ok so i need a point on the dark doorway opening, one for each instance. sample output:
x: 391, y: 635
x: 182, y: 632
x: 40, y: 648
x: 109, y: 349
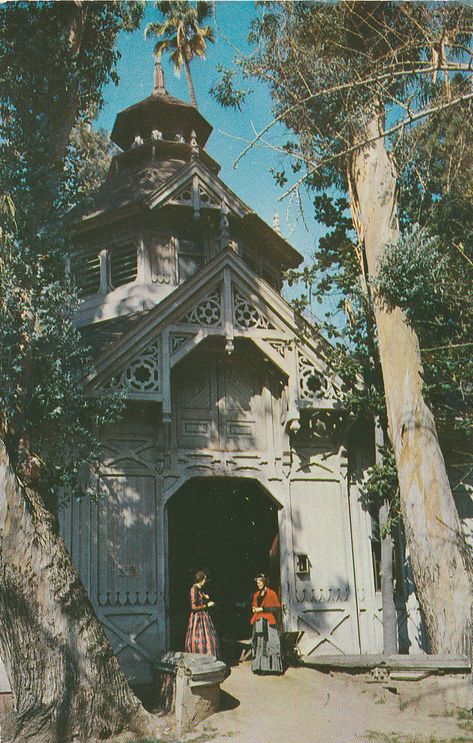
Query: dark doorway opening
x: 229, y: 528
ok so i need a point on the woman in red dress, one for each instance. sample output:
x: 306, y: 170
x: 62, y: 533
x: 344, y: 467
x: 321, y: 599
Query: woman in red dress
x: 201, y: 636
x: 266, y: 643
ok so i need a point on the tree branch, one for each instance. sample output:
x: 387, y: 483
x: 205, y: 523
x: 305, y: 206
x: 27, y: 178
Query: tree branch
x: 444, y: 348
x: 386, y: 133
x: 350, y: 85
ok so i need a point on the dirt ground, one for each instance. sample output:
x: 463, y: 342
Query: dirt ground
x: 307, y: 706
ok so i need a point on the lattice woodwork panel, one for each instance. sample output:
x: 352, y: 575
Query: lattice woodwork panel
x: 195, y: 389
x: 184, y: 196
x: 207, y: 311
x: 280, y: 347
x: 142, y: 374
x: 246, y: 315
x: 177, y: 340
x: 312, y: 383
x: 207, y: 198
x: 241, y: 386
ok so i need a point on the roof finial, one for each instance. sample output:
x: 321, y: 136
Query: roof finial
x: 159, y: 88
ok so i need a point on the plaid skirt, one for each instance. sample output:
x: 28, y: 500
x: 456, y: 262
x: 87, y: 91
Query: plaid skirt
x: 201, y: 636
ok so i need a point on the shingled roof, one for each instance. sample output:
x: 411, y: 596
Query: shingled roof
x: 128, y: 187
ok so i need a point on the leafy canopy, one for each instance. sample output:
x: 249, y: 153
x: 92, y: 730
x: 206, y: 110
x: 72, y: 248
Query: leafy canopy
x: 183, y: 34
x: 329, y: 69
x: 54, y: 61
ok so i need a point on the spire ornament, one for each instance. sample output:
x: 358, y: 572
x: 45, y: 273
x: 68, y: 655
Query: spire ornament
x: 159, y: 87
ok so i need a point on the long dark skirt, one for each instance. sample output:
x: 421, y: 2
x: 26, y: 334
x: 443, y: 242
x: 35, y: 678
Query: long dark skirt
x: 266, y: 648
x: 201, y: 636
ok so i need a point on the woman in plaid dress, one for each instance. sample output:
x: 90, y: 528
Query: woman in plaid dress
x: 201, y: 636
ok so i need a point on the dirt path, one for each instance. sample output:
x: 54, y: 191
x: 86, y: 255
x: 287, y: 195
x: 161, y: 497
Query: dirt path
x: 306, y: 706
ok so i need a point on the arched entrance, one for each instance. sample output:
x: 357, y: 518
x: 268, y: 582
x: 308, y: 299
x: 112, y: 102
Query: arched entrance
x: 229, y: 528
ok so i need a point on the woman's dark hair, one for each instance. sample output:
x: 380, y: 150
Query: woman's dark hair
x: 200, y: 575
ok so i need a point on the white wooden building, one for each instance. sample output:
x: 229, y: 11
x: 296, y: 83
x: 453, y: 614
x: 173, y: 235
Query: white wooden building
x: 234, y: 452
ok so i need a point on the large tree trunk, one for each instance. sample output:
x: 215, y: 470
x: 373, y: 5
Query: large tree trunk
x: 67, y: 684
x: 440, y: 561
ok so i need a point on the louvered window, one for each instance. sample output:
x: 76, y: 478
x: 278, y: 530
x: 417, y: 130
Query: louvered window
x: 123, y: 265
x: 86, y: 273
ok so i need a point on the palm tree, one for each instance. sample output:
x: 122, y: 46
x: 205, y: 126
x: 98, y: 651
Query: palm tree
x: 183, y: 34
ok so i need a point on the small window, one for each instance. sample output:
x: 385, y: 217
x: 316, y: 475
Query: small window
x: 302, y: 564
x: 123, y: 265
x: 85, y: 269
x: 191, y: 257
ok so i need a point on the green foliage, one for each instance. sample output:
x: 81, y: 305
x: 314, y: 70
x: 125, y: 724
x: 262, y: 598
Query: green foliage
x: 182, y: 32
x: 432, y: 284
x: 382, y: 486
x: 87, y: 164
x: 54, y: 60
x: 225, y: 92
x: 413, y: 274
x: 328, y: 68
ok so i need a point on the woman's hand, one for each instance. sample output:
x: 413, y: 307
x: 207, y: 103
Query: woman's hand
x: 210, y: 603
x: 257, y: 609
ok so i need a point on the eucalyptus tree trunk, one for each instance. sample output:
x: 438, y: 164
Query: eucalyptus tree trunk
x: 67, y: 685
x: 441, y: 563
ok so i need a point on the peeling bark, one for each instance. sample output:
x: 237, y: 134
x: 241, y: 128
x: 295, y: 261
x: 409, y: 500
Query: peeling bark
x: 441, y: 564
x: 67, y: 685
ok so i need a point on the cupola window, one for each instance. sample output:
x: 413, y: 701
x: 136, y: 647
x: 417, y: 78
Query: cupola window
x: 123, y: 265
x: 85, y: 268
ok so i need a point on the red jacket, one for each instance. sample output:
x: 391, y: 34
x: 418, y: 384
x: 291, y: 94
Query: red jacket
x: 270, y: 601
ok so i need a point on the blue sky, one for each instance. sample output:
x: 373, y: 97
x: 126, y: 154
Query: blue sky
x: 251, y: 180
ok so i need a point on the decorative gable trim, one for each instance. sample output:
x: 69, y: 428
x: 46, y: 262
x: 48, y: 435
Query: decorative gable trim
x: 140, y: 377
x: 195, y: 186
x: 224, y: 298
x: 206, y: 311
x: 246, y: 314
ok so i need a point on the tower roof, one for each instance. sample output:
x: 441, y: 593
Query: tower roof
x: 163, y: 112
